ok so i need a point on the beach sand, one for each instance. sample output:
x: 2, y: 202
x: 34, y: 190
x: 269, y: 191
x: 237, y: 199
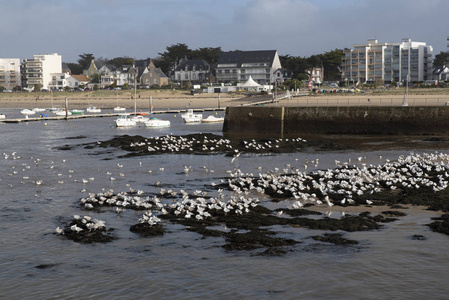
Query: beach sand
x: 181, y: 99
x: 160, y: 99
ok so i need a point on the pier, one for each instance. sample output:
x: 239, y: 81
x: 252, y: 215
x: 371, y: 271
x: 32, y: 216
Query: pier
x: 101, y: 115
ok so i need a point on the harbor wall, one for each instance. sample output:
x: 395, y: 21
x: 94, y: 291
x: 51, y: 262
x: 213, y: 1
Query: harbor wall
x: 402, y: 120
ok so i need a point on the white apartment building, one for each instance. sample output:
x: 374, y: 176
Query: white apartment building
x: 240, y: 65
x: 389, y: 62
x: 10, y: 73
x: 39, y: 70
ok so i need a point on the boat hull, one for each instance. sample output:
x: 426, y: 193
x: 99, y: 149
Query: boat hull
x: 157, y: 123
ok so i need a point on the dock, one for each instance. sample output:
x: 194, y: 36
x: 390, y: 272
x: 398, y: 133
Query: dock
x: 102, y: 115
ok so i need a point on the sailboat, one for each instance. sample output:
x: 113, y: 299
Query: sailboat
x: 118, y: 108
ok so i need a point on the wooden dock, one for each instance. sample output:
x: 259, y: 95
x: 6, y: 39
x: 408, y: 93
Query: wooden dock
x: 101, y: 115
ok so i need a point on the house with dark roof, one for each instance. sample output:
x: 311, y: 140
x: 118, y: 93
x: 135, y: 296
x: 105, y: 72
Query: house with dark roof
x: 282, y: 74
x: 91, y: 69
x: 238, y: 66
x: 152, y: 76
x: 126, y: 74
x: 192, y: 71
x: 440, y: 73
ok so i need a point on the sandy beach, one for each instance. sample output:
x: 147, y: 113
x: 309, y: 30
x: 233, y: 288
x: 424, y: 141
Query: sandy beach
x: 160, y: 99
x: 178, y: 99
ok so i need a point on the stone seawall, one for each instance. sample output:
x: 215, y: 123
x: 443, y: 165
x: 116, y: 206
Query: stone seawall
x: 402, y: 120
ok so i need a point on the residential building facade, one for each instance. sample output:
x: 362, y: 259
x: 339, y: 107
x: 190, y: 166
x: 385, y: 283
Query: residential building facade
x: 192, y: 71
x: 59, y: 81
x: 91, y: 69
x: 282, y: 74
x: 10, y: 73
x: 39, y: 70
x: 316, y: 75
x: 238, y: 66
x: 388, y: 62
x: 152, y: 76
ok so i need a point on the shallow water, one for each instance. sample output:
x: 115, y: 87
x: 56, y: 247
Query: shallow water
x: 181, y: 264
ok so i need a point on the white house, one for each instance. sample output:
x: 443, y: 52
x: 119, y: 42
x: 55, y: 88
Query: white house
x: 59, y: 81
x: 75, y: 81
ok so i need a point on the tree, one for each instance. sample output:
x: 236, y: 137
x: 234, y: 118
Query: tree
x: 173, y: 54
x: 120, y: 61
x: 210, y: 55
x: 75, y: 69
x: 331, y: 63
x: 85, y: 59
x: 441, y: 59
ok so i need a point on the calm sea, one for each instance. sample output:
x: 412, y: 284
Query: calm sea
x: 37, y: 264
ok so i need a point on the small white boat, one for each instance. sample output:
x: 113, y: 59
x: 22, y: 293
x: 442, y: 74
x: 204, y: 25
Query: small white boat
x: 2, y: 116
x: 155, y: 122
x: 93, y: 109
x: 38, y: 109
x: 212, y: 119
x: 118, y: 108
x: 139, y: 119
x: 62, y: 112
x: 27, y: 112
x: 191, y: 117
x: 125, y: 120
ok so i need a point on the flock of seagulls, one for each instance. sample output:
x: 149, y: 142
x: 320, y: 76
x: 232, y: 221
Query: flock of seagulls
x: 198, y: 205
x: 82, y: 225
x: 205, y: 143
x: 328, y: 187
x: 346, y: 181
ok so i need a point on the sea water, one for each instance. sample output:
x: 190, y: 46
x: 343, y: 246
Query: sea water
x: 38, y: 264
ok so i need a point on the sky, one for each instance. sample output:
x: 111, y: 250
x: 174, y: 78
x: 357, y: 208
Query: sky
x: 141, y: 29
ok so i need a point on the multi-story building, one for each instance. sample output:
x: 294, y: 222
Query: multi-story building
x: 238, y: 66
x: 192, y: 71
x: 388, y: 62
x: 10, y: 73
x: 39, y: 70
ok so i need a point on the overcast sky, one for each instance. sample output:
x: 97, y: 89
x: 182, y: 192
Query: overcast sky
x: 142, y: 28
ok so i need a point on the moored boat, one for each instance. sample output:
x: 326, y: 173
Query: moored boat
x: 139, y: 119
x: 2, y: 116
x: 118, y: 108
x: 36, y: 109
x: 62, y: 112
x: 27, y: 112
x: 191, y: 117
x: 212, y: 119
x: 77, y: 111
x: 93, y: 109
x: 155, y: 122
x: 125, y: 120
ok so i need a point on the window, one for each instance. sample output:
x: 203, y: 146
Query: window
x: 219, y: 72
x: 226, y: 71
x: 234, y: 71
x: 242, y: 71
x: 186, y: 76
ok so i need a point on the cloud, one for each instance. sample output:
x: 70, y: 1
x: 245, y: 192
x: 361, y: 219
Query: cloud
x: 142, y: 28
